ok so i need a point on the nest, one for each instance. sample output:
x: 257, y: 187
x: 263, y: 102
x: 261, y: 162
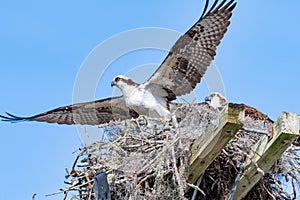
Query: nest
x: 149, y: 159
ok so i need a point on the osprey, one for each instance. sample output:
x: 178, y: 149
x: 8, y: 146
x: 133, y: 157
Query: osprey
x: 218, y: 101
x: 179, y: 73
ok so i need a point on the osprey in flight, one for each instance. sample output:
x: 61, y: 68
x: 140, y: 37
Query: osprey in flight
x: 179, y: 73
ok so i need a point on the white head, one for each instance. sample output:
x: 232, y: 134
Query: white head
x: 124, y: 83
x: 216, y: 100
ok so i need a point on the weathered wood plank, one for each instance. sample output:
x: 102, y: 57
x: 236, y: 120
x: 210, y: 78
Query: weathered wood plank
x: 285, y: 131
x: 209, y: 146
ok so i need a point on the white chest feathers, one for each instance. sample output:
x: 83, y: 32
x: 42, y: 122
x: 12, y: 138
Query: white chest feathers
x: 144, y: 102
x: 216, y: 100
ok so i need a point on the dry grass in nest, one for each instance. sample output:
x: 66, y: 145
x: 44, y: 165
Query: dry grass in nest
x: 149, y: 159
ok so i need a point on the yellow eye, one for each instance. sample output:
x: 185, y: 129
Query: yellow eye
x: 117, y: 79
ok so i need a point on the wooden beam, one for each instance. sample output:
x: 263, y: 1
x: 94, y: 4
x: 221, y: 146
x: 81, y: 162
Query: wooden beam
x: 208, y: 146
x: 285, y: 132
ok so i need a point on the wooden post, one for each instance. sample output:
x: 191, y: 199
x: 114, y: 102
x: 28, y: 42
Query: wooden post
x: 206, y: 148
x: 285, y: 132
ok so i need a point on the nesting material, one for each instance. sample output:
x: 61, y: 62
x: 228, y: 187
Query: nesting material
x: 149, y: 159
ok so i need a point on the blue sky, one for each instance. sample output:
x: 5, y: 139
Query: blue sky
x: 43, y: 45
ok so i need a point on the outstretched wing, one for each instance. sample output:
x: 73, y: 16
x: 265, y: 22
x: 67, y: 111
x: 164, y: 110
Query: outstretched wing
x: 91, y: 113
x: 190, y: 56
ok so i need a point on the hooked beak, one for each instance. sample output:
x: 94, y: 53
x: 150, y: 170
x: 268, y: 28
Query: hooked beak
x: 207, y: 99
x: 113, y: 83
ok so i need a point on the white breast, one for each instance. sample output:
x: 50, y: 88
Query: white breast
x: 145, y: 103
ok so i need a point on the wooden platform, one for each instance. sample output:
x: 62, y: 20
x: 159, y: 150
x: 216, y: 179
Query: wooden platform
x: 265, y: 153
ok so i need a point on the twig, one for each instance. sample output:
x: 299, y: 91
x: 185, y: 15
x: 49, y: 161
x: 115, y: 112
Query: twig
x: 269, y: 193
x: 70, y: 188
x: 255, y: 131
x: 179, y: 181
x: 147, y: 177
x: 197, y: 188
x: 294, y: 190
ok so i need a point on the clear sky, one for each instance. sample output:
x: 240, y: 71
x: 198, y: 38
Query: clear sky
x: 44, y: 43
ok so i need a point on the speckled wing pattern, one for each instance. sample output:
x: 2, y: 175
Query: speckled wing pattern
x: 90, y: 113
x: 179, y: 74
x: 256, y: 114
x: 193, y: 52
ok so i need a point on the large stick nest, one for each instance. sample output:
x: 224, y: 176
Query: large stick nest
x: 149, y: 159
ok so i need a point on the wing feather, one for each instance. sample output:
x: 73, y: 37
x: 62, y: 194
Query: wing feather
x: 90, y: 113
x: 256, y: 114
x: 191, y: 55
